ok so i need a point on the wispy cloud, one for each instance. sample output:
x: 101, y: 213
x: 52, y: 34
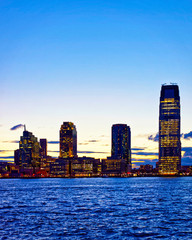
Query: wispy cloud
x: 146, y: 153
x: 89, y: 142
x: 53, y: 142
x: 154, y: 137
x: 16, y: 127
x: 4, y: 151
x: 138, y: 162
x: 103, y: 136
x: 93, y: 141
x: 88, y: 152
x: 7, y: 157
x: 137, y: 149
x: 53, y: 151
x: 84, y: 143
x: 188, y: 152
x: 14, y: 141
x: 187, y: 136
x: 93, y: 152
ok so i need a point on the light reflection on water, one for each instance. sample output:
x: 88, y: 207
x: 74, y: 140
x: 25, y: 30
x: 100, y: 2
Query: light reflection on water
x: 96, y: 208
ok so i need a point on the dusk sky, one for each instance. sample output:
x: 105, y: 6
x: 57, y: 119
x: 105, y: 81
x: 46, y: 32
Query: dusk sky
x: 94, y: 63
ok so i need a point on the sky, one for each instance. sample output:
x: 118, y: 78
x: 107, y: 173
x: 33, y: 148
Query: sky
x: 94, y: 63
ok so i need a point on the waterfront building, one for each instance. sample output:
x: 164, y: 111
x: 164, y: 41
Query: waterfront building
x: 68, y: 140
x: 43, y: 144
x: 60, y: 168
x: 148, y: 168
x: 121, y: 143
x: 113, y: 167
x: 28, y: 154
x: 169, y: 131
x: 85, y: 167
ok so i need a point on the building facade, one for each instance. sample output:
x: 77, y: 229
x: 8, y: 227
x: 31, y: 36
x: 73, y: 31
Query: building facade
x: 43, y: 144
x: 121, y: 142
x: 28, y: 154
x: 114, y: 167
x: 68, y: 140
x: 169, y: 131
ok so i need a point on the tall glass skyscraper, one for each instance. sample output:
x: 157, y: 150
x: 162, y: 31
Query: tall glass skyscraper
x: 169, y: 130
x: 68, y: 140
x: 121, y: 142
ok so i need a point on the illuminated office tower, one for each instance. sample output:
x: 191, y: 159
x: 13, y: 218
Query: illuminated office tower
x: 29, y: 150
x: 169, y: 130
x: 121, y: 142
x: 68, y: 140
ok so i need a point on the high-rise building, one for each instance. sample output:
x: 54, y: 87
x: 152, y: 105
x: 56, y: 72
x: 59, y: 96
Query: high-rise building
x: 169, y: 130
x: 68, y: 140
x: 43, y: 144
x: 17, y: 157
x: 28, y: 154
x: 121, y: 142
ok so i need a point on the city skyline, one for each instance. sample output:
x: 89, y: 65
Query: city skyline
x: 95, y: 64
x: 136, y: 162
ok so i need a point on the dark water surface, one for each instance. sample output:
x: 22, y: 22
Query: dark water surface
x: 96, y: 208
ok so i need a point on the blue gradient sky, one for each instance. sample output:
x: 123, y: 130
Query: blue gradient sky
x: 94, y: 63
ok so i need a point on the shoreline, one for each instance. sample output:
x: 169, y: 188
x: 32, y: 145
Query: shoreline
x: 160, y: 176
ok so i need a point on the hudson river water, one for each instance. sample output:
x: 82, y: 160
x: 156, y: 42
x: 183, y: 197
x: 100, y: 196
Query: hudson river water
x: 96, y: 208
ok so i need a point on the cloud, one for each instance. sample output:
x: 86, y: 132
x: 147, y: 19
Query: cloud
x: 16, y: 127
x: 4, y: 151
x: 85, y: 143
x: 186, y: 159
x: 53, y: 142
x: 142, y: 135
x: 187, y: 136
x: 188, y: 152
x: 15, y: 141
x: 89, y: 141
x: 7, y: 157
x: 154, y: 137
x: 82, y: 152
x: 138, y: 162
x: 137, y: 149
x: 146, y: 153
x: 92, y: 152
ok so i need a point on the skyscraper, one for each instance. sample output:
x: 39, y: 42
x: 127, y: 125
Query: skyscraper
x: 169, y: 130
x: 28, y: 154
x: 68, y: 140
x: 43, y: 144
x: 121, y: 142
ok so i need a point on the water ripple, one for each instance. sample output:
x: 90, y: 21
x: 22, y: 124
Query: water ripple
x: 113, y: 208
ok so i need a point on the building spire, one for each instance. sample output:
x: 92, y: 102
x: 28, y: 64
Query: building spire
x: 24, y: 127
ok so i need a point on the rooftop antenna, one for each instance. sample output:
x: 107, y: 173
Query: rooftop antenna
x: 24, y: 128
